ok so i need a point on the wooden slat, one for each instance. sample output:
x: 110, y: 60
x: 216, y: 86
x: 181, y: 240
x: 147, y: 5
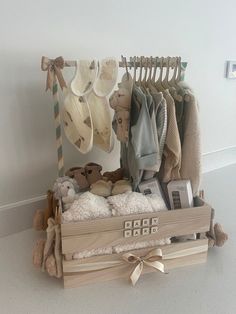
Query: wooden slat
x: 78, y: 279
x: 171, y: 223
x: 166, y: 249
x: 117, y: 223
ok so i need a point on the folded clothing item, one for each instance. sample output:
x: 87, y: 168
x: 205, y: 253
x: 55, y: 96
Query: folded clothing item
x: 121, y: 248
x: 93, y: 252
x: 140, y: 245
x: 87, y: 206
x: 135, y: 203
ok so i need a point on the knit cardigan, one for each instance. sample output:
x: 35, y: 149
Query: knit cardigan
x: 191, y: 148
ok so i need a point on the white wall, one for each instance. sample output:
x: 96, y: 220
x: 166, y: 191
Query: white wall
x: 202, y: 32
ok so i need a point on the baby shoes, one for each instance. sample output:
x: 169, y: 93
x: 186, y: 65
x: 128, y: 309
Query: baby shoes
x: 101, y: 188
x: 121, y: 186
x: 85, y: 176
x: 106, y: 188
x: 93, y: 172
x: 79, y: 174
x: 114, y: 176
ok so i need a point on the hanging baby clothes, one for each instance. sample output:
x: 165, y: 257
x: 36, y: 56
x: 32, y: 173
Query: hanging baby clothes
x: 191, y: 148
x: 180, y: 111
x: 141, y: 150
x: 171, y: 162
x: 160, y: 127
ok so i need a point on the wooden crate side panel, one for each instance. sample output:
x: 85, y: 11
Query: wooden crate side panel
x: 70, y: 265
x: 172, y: 224
x: 117, y: 223
x: 76, y: 280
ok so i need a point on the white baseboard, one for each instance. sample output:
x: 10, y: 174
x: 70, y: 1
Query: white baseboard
x: 16, y: 217
x: 218, y: 159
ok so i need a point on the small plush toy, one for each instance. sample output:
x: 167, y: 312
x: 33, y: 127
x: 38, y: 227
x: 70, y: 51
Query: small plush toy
x: 66, y: 188
x: 216, y: 235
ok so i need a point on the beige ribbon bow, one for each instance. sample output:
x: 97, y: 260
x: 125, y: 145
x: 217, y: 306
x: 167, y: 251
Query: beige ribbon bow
x: 53, y: 67
x: 150, y: 260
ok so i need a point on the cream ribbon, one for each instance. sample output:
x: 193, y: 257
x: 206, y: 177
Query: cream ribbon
x: 152, y: 259
x: 148, y: 260
x: 53, y: 68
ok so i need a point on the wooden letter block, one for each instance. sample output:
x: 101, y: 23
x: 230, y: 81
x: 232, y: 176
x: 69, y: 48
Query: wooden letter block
x: 155, y: 221
x: 127, y: 233
x: 146, y: 222
x: 136, y: 232
x: 128, y: 224
x: 137, y: 223
x: 154, y: 230
x: 145, y: 231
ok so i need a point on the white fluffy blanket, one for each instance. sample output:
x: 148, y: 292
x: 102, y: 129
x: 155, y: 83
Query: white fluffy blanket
x: 87, y: 206
x: 135, y: 203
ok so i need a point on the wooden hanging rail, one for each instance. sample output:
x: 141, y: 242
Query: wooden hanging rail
x: 138, y: 61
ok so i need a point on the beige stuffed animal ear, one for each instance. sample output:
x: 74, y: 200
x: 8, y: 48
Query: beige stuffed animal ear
x: 220, y: 236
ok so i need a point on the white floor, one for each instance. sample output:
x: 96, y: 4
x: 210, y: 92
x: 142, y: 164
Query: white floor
x: 208, y: 288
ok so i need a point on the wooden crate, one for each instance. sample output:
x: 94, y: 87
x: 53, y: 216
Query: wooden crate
x: 108, y: 232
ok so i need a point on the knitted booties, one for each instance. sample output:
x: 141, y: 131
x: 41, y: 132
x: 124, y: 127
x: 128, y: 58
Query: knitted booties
x: 38, y: 252
x: 38, y: 220
x: 101, y: 188
x: 93, y: 172
x: 114, y: 176
x: 79, y: 174
x: 121, y: 186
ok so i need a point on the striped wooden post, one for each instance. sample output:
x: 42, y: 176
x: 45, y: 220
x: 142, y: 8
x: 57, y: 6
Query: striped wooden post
x: 60, y: 158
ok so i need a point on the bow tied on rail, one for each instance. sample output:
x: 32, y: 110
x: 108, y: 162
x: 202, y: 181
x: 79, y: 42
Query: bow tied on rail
x: 53, y: 68
x: 149, y: 260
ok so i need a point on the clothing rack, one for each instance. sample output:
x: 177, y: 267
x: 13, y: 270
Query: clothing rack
x: 136, y: 61
x: 54, y: 76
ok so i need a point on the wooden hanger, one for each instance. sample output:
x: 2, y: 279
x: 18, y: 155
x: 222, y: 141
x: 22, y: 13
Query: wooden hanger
x: 158, y: 83
x: 150, y: 69
x: 126, y: 66
x: 164, y: 83
x: 140, y: 71
x: 173, y: 82
x: 144, y: 80
x: 155, y: 70
x: 135, y: 67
